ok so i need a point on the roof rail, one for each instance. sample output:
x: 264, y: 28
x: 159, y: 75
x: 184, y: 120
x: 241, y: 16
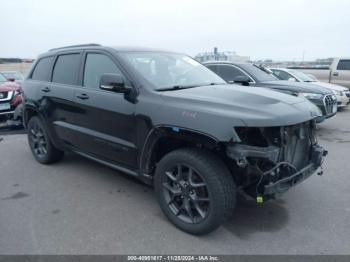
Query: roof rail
x: 72, y: 46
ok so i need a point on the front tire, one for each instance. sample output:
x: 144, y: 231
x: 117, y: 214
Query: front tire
x: 195, y: 190
x: 40, y: 144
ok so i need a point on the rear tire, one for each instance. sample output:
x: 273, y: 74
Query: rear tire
x: 195, y: 190
x: 40, y: 144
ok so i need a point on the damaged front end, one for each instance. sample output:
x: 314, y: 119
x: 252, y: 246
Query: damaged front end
x: 273, y: 159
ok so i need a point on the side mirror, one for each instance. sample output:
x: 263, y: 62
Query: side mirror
x: 243, y: 80
x: 114, y: 83
x: 292, y: 79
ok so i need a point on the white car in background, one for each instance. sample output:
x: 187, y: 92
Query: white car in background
x: 342, y: 93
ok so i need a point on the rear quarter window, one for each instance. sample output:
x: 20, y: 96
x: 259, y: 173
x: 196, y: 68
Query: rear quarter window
x: 42, y: 69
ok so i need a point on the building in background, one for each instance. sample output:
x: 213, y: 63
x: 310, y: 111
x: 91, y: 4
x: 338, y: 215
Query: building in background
x: 221, y: 56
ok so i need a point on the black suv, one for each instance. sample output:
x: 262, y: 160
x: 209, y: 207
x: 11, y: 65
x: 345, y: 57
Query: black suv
x: 171, y: 122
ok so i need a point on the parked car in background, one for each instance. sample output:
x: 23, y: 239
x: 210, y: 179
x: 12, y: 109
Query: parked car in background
x: 168, y: 120
x: 248, y: 74
x: 342, y: 93
x: 10, y: 99
x: 12, y: 76
x: 337, y: 73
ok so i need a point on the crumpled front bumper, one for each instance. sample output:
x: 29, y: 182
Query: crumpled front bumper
x: 269, y: 186
x: 282, y: 185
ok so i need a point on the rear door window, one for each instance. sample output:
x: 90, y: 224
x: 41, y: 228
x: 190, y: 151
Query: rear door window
x: 66, y: 69
x: 344, y: 65
x: 42, y: 69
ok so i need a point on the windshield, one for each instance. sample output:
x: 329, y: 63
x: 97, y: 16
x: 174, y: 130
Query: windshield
x: 257, y: 73
x: 166, y: 70
x: 14, y: 75
x: 2, y: 78
x: 302, y: 76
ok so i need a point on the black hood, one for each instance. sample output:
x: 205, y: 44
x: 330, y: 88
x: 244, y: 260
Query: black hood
x: 226, y: 106
x: 297, y: 87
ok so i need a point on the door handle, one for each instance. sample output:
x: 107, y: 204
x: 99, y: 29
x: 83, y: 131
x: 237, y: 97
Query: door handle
x: 83, y: 96
x: 335, y: 74
x: 45, y: 89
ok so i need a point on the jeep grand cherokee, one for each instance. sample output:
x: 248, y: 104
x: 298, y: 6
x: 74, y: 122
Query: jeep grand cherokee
x: 171, y: 122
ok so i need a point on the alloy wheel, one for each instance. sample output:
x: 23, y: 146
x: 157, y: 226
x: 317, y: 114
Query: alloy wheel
x: 38, y: 140
x: 186, y: 193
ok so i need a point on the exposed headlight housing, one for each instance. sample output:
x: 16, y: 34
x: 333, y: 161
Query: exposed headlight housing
x: 311, y: 95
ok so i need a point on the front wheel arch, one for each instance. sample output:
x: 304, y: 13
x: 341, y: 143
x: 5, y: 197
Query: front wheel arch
x: 163, y: 140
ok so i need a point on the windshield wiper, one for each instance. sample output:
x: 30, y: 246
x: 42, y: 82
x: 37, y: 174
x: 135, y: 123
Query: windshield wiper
x: 178, y: 87
x: 175, y: 87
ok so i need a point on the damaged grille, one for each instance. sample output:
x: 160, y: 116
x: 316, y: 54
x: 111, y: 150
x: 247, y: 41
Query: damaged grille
x: 272, y: 159
x: 265, y: 147
x: 297, y: 143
